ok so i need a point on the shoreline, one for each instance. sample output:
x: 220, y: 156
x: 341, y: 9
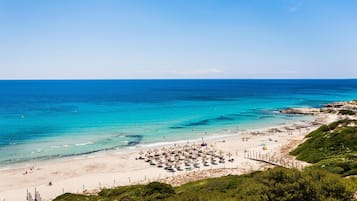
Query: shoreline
x: 233, y: 130
x: 88, y: 173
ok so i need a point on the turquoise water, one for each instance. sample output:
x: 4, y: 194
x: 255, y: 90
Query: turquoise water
x: 50, y: 119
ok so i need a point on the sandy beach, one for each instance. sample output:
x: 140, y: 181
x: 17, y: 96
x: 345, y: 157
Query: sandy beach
x: 89, y: 173
x: 202, y: 100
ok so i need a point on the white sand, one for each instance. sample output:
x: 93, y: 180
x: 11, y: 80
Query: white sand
x: 108, y: 169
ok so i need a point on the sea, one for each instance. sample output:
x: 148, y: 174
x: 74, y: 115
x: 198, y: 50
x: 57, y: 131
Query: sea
x: 47, y: 119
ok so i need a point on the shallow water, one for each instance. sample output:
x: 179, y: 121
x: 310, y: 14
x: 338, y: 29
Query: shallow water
x: 49, y: 119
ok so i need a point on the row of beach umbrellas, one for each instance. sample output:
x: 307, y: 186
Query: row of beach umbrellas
x: 184, y: 157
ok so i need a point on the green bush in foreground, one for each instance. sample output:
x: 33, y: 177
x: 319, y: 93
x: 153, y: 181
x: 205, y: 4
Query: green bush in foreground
x: 278, y: 184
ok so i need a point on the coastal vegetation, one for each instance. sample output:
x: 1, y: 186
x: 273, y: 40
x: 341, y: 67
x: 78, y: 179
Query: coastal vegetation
x: 346, y: 112
x: 332, y: 150
x: 332, y: 147
x: 274, y: 184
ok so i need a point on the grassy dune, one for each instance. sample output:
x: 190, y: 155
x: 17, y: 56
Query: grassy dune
x: 332, y: 147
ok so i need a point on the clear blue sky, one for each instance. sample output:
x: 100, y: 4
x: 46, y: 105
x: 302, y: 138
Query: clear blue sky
x: 178, y: 39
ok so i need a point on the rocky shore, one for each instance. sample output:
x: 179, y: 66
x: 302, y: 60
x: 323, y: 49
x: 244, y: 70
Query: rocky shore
x: 340, y: 108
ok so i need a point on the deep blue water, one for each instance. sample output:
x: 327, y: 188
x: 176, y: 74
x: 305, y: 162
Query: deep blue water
x: 47, y: 119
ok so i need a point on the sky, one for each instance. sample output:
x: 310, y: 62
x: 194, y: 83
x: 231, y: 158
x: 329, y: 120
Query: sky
x: 134, y: 39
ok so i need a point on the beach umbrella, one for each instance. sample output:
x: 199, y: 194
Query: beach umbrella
x: 149, y: 152
x: 160, y: 164
x: 229, y: 155
x: 196, y: 164
x: 188, y: 163
x: 141, y: 152
x: 179, y: 168
x: 206, y: 163
x: 152, y: 162
x: 213, y: 161
x: 156, y: 151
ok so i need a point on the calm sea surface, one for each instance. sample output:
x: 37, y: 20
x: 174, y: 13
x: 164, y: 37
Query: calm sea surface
x: 51, y: 119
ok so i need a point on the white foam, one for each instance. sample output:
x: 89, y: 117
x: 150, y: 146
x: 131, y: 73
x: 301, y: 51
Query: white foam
x: 84, y: 144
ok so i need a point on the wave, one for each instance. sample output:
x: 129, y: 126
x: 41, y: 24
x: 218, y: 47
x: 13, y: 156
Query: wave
x: 84, y: 144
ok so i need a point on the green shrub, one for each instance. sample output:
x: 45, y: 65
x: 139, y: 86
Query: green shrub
x: 346, y: 112
x: 332, y: 147
x: 278, y: 184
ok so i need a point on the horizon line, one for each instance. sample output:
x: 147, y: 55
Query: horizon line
x: 198, y: 78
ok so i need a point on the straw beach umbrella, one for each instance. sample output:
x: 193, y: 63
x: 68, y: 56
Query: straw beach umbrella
x: 229, y: 157
x: 141, y: 155
x: 156, y: 151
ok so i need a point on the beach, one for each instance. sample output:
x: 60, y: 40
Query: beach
x: 178, y: 100
x: 89, y: 173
